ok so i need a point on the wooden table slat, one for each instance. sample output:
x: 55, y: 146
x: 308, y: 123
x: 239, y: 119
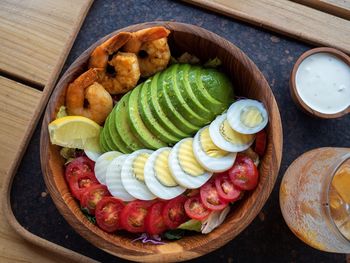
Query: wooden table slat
x: 287, y: 17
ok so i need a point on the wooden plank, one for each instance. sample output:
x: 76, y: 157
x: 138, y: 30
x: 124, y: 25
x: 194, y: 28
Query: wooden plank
x: 33, y: 34
x: 287, y: 17
x: 18, y: 104
x: 340, y: 8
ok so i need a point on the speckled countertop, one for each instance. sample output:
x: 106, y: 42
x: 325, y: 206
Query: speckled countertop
x: 267, y: 239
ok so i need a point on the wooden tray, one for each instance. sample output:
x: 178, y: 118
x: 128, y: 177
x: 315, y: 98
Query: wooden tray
x: 36, y: 37
x: 319, y: 23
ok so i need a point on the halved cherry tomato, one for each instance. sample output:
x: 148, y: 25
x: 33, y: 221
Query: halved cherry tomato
x: 80, y: 165
x: 210, y: 197
x: 260, y: 142
x: 244, y: 174
x: 195, y: 209
x: 174, y: 213
x: 108, y: 212
x: 226, y: 190
x: 154, y: 222
x: 132, y: 218
x: 92, y: 196
x: 80, y: 182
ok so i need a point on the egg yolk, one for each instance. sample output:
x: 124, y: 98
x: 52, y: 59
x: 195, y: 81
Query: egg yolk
x: 209, y: 147
x: 162, y: 171
x: 138, y: 166
x: 187, y: 160
x: 251, y: 117
x: 234, y: 137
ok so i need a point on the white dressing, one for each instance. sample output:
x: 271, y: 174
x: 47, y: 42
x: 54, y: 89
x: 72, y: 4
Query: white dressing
x: 323, y: 83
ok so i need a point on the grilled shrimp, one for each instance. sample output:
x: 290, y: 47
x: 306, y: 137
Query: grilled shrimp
x: 120, y: 71
x: 151, y: 47
x: 85, y: 97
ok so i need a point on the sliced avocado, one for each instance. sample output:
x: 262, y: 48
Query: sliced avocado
x: 106, y: 138
x: 148, y: 118
x: 137, y: 126
x: 217, y: 84
x: 172, y: 76
x: 114, y: 136
x: 159, y: 112
x: 122, y: 125
x: 201, y: 93
x: 165, y: 98
x: 188, y: 93
x: 103, y: 145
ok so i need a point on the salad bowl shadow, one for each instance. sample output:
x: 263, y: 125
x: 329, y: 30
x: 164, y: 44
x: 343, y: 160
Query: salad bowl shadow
x: 247, y: 80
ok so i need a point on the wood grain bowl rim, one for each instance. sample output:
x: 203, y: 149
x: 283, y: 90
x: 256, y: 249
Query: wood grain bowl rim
x: 293, y: 89
x: 177, y: 250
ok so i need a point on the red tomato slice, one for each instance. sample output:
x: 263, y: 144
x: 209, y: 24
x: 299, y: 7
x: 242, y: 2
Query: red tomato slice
x: 79, y: 183
x: 195, y: 209
x: 154, y: 222
x: 108, y: 212
x: 210, y: 197
x: 80, y: 165
x: 133, y: 216
x: 226, y: 190
x: 92, y: 196
x: 174, y: 213
x: 260, y: 142
x: 244, y: 174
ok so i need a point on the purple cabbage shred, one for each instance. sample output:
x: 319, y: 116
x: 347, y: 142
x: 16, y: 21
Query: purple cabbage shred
x: 155, y: 239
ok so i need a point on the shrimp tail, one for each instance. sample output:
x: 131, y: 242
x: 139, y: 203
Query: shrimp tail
x: 99, y: 57
x: 145, y: 35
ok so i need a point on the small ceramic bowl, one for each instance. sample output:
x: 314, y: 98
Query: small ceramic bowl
x: 293, y: 86
x: 248, y: 81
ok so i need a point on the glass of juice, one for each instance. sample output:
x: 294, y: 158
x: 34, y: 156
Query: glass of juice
x: 315, y: 199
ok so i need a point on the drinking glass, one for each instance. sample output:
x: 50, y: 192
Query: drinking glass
x: 315, y: 199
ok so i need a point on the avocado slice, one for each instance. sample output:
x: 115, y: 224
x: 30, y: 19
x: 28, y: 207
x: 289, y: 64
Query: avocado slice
x: 113, y: 135
x: 148, y: 118
x: 217, y: 84
x: 165, y: 84
x: 201, y: 93
x: 122, y: 125
x: 171, y: 77
x: 107, y: 141
x: 136, y: 124
x: 188, y: 93
x: 159, y: 112
x: 103, y: 144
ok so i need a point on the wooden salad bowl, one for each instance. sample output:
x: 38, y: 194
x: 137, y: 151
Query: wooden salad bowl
x: 248, y: 81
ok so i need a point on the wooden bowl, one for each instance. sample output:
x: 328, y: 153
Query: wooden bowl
x: 248, y: 81
x: 293, y: 88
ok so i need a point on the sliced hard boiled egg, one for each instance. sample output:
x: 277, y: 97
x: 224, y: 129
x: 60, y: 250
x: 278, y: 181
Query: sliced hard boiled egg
x: 133, y: 175
x: 211, y: 157
x: 224, y: 137
x: 247, y: 116
x: 102, y: 163
x: 158, y: 177
x: 184, y: 167
x: 114, y: 181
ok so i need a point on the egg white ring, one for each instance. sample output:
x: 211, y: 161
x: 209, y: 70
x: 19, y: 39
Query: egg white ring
x: 133, y: 186
x: 92, y: 155
x: 114, y: 181
x: 181, y: 177
x: 153, y: 184
x: 219, y: 140
x: 212, y: 164
x: 234, y: 116
x: 102, y: 163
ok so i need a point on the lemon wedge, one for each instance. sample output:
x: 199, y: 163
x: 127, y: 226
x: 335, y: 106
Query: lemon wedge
x: 75, y: 132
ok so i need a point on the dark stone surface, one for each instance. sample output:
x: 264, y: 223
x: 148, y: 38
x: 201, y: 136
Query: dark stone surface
x: 267, y: 239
